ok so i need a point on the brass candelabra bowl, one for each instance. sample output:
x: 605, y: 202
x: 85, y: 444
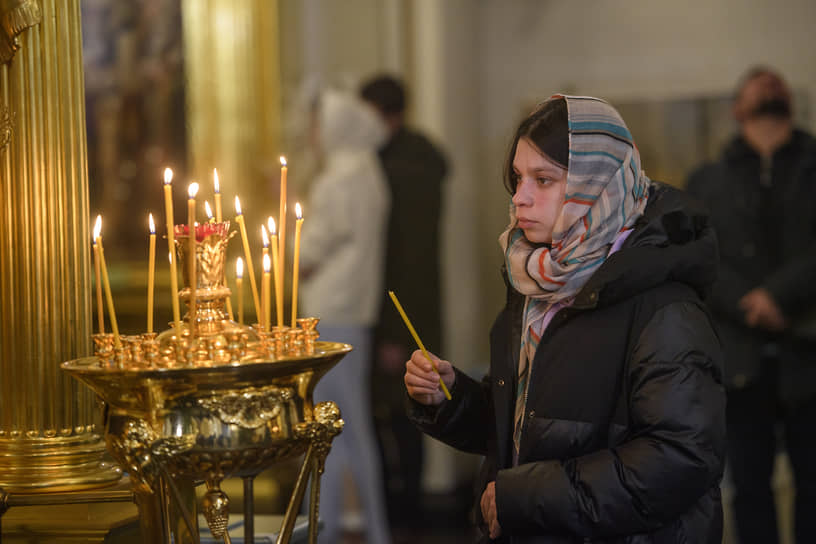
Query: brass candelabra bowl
x: 210, y: 400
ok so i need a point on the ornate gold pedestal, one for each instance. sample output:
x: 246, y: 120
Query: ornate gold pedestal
x: 171, y: 429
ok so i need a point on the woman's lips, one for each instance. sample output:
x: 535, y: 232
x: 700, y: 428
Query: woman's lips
x: 525, y: 223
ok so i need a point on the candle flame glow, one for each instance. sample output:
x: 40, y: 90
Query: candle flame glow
x: 237, y: 206
x: 215, y: 181
x: 168, y: 176
x: 283, y: 160
x: 97, y: 231
x: 272, y: 227
x: 239, y: 267
x: 170, y: 257
x: 298, y: 211
x: 192, y: 189
x: 267, y: 264
x: 208, y: 210
x: 152, y: 224
x: 264, y: 237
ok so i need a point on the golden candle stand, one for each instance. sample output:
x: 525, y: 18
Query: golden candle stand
x: 216, y: 400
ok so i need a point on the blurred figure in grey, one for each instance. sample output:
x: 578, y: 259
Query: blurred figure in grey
x: 342, y: 258
x: 762, y: 197
x: 415, y: 169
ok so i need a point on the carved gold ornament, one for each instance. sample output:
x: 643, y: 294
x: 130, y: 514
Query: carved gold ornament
x: 5, y: 126
x: 15, y: 17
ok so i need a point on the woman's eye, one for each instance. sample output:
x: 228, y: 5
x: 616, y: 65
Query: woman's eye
x: 544, y: 181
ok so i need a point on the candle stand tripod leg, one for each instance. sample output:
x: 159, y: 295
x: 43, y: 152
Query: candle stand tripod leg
x: 249, y: 510
x: 288, y: 525
x: 314, y: 500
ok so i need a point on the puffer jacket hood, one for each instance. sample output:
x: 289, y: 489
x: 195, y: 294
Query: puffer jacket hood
x: 347, y: 123
x: 671, y: 241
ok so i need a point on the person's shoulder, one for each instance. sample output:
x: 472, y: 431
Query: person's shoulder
x: 421, y: 142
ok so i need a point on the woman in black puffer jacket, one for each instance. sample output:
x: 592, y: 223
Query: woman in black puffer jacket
x: 603, y: 416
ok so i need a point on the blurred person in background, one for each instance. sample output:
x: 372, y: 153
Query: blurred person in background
x: 415, y: 169
x: 342, y: 259
x: 761, y: 194
x: 602, y: 418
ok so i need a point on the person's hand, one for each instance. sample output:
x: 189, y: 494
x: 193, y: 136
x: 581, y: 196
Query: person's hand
x: 422, y: 382
x: 489, y: 513
x: 761, y: 310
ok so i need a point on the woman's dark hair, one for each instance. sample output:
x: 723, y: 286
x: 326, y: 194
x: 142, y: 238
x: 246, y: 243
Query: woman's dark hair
x: 547, y: 127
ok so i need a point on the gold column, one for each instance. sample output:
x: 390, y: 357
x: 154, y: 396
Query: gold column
x: 48, y: 440
x: 232, y: 68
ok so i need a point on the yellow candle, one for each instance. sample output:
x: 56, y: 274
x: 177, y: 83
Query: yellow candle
x: 296, y: 263
x: 264, y: 241
x: 239, y: 283
x: 106, y: 284
x: 217, y: 187
x: 417, y: 340
x: 171, y: 245
x: 100, y: 312
x: 282, y: 226
x: 265, y: 289
x: 192, y: 191
x: 239, y: 217
x: 265, y: 297
x: 151, y: 274
x: 219, y: 219
x: 277, y: 271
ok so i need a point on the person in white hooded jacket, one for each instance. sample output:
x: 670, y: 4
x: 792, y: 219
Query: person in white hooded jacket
x: 342, y: 257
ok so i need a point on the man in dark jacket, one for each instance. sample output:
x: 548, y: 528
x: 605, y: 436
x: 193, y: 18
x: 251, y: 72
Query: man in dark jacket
x: 415, y: 169
x: 762, y: 198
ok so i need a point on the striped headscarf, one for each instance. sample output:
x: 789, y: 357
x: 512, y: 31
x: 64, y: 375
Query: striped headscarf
x: 606, y: 193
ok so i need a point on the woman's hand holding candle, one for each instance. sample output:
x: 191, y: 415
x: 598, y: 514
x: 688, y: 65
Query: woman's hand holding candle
x: 424, y: 373
x: 419, y: 343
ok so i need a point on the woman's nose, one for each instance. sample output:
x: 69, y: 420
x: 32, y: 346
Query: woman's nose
x: 522, y: 195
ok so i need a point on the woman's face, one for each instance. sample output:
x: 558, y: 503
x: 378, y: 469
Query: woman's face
x: 540, y: 188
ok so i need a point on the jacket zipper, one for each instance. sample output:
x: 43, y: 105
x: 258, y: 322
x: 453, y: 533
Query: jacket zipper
x: 524, y: 412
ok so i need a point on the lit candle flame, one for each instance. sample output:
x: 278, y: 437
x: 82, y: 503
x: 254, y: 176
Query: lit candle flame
x: 152, y: 224
x: 264, y: 237
x: 192, y: 189
x: 267, y: 263
x: 298, y: 211
x: 237, y: 206
x: 283, y: 160
x: 272, y: 227
x: 208, y: 210
x: 215, y: 181
x: 168, y: 176
x: 239, y: 267
x: 97, y: 231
